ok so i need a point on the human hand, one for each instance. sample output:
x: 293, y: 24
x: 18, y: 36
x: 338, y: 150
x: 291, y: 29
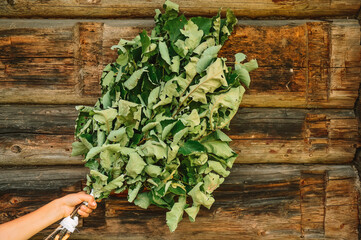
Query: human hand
x: 68, y: 203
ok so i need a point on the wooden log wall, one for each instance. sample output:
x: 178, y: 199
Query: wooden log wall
x: 296, y: 132
x: 145, y: 8
x: 303, y: 63
x: 255, y: 202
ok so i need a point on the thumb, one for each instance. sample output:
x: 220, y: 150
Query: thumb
x: 84, y: 197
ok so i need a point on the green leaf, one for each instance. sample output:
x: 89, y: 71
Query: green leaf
x: 92, y: 164
x: 107, y: 157
x: 208, y: 84
x: 231, y: 21
x: 208, y: 55
x: 200, y: 159
x: 82, y: 123
x: 217, y: 26
x: 174, y: 26
x: 174, y: 216
x: 143, y: 200
x: 93, y: 152
x: 179, y: 135
x: 163, y: 49
x: 190, y: 73
x: 145, y: 40
x: 243, y: 76
x: 78, y: 148
x: 106, y: 100
x: 134, y: 78
x: 203, y: 24
x: 122, y: 60
x: 177, y: 127
x: 101, y: 177
x: 193, y: 35
x: 133, y: 192
x: 85, y: 142
x: 192, y: 119
x: 172, y: 152
x: 199, y: 197
x: 180, y: 48
x: 212, y: 182
x: 153, y: 170
x: 162, y: 188
x: 115, y: 183
x: 108, y: 80
x: 153, y: 96
x: 217, y: 135
x: 242, y: 70
x: 119, y: 136
x: 251, y: 65
x: 190, y: 147
x: 240, y: 57
x: 218, y: 168
x: 129, y: 114
x: 192, y: 212
x: 149, y: 126
x: 105, y: 118
x: 218, y: 148
x: 175, y: 64
x: 154, y: 149
x: 169, y: 5
x: 226, y: 101
x: 135, y: 165
x: 167, y: 130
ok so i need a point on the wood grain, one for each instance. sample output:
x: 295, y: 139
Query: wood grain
x: 42, y: 178
x: 42, y: 135
x: 314, y: 64
x: 298, y: 110
x: 145, y: 8
x: 256, y: 201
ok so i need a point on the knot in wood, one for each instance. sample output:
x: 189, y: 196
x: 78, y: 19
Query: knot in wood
x: 15, y: 149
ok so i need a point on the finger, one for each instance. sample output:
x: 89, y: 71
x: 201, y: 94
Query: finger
x: 87, y: 198
x: 82, y: 213
x: 92, y: 205
x: 86, y: 209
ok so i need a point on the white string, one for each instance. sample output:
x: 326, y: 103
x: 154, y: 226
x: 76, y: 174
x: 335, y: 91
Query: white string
x: 70, y: 223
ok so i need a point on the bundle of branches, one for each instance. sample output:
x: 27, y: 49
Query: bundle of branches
x: 156, y: 131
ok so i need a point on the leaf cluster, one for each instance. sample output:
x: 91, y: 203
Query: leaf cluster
x: 156, y: 131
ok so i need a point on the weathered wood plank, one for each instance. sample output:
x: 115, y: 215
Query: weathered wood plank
x: 42, y: 178
x: 143, y: 8
x: 312, y: 190
x: 314, y: 63
x: 292, y: 151
x: 38, y: 119
x: 248, y: 123
x: 268, y: 201
x: 36, y: 149
x: 42, y: 135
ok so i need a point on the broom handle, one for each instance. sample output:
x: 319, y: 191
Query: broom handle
x: 58, y: 231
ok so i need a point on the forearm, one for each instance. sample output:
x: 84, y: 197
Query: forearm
x: 30, y: 224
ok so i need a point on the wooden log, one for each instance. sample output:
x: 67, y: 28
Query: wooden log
x: 43, y: 178
x: 38, y: 119
x: 256, y: 201
x: 142, y: 8
x: 36, y: 149
x: 314, y: 64
x: 42, y: 135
